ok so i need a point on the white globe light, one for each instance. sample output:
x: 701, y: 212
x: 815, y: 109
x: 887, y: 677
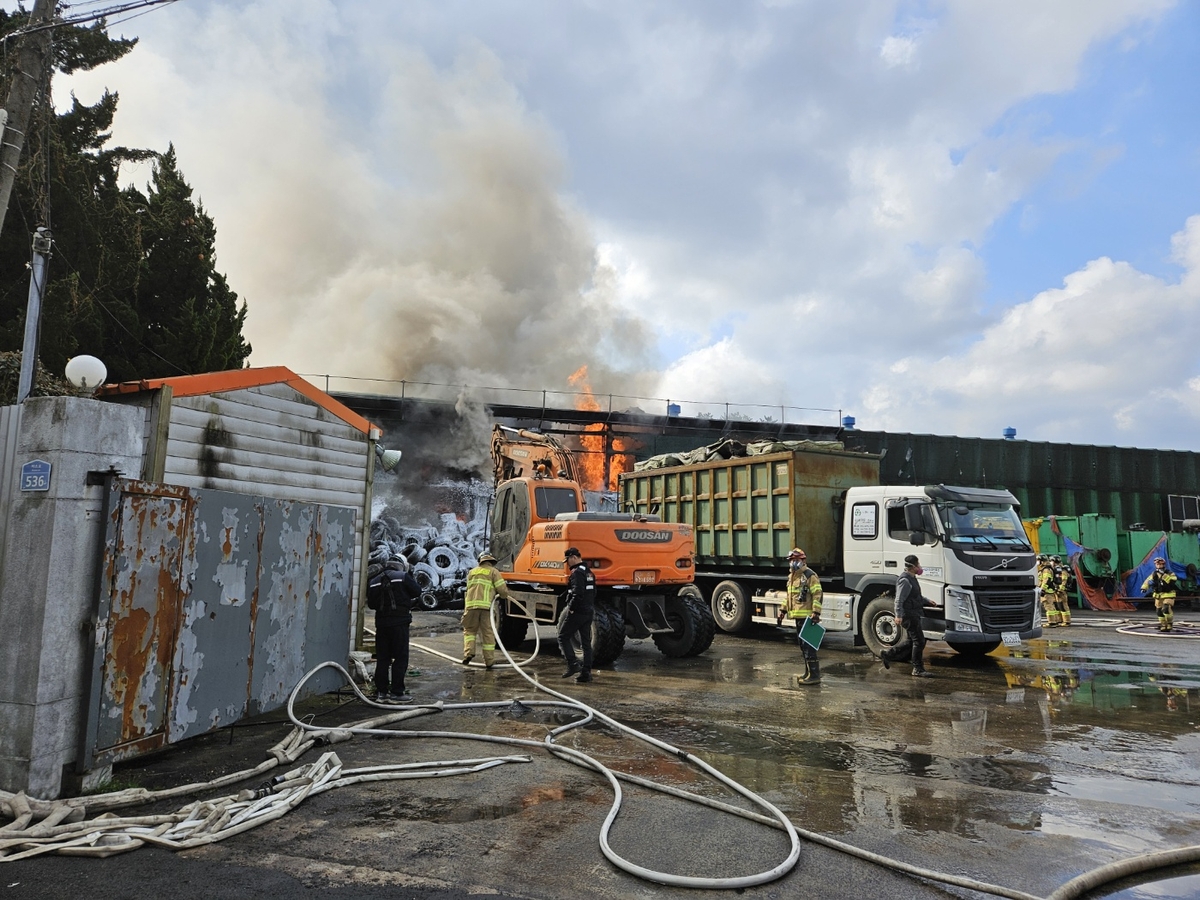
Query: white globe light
x: 86, y: 372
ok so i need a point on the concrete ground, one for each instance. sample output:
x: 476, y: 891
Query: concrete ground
x: 1023, y: 769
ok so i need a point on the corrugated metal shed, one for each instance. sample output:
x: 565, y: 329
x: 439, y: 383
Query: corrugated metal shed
x: 265, y: 432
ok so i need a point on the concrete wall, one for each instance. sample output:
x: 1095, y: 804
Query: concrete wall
x: 48, y: 585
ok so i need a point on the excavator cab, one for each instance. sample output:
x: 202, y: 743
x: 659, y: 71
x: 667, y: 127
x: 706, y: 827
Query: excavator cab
x: 522, y: 503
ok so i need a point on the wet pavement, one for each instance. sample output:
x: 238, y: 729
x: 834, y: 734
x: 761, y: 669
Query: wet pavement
x: 1024, y: 770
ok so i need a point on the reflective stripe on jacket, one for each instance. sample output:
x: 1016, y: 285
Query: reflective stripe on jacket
x: 1160, y: 584
x: 804, y: 593
x: 483, y: 584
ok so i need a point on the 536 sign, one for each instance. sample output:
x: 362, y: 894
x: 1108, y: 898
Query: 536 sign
x: 35, y: 475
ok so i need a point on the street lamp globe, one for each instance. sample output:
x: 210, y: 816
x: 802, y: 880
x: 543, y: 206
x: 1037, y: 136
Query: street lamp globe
x: 86, y: 372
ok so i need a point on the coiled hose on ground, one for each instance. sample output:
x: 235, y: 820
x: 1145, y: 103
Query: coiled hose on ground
x: 62, y: 827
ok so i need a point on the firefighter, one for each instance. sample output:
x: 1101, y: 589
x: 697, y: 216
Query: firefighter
x: 483, y: 584
x: 804, y: 601
x: 1061, y: 574
x: 1043, y: 563
x: 1048, y: 582
x: 1161, y: 584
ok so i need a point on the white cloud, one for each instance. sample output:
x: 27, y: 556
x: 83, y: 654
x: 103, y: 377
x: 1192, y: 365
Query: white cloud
x: 723, y: 370
x: 791, y: 197
x: 1110, y: 353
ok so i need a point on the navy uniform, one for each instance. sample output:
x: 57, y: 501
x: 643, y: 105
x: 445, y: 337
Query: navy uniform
x: 580, y: 609
x: 391, y: 592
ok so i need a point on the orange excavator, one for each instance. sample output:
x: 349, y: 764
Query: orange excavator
x: 643, y: 566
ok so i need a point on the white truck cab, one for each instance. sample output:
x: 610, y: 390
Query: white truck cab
x: 978, y: 574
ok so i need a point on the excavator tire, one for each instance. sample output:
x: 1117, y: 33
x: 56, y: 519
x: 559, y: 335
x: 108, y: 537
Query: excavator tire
x: 513, y: 631
x: 613, y: 637
x: 708, y: 629
x: 600, y: 627
x: 686, y: 617
x: 601, y: 623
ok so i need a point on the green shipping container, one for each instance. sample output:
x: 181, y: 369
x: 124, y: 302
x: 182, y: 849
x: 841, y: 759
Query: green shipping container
x: 750, y: 511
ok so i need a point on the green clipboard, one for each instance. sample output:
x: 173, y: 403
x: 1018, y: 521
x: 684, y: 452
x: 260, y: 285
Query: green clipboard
x: 812, y: 633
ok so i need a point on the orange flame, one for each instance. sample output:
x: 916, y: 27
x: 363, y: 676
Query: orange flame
x: 599, y: 464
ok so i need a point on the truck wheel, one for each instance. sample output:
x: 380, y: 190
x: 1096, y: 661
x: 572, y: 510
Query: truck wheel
x: 975, y: 651
x: 880, y: 629
x: 730, y: 608
x: 708, y: 626
x: 687, y: 625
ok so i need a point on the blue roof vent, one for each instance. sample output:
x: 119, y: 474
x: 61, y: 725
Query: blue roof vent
x: 1010, y: 433
x: 848, y: 422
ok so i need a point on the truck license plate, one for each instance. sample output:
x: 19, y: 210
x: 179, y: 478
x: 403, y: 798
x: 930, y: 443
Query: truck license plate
x: 1010, y: 638
x: 643, y: 577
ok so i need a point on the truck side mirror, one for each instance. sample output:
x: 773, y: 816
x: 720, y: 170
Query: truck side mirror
x: 916, y: 538
x: 913, y: 520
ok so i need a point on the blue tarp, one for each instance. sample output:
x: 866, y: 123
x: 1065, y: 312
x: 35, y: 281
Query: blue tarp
x: 1094, y: 597
x: 1136, y: 577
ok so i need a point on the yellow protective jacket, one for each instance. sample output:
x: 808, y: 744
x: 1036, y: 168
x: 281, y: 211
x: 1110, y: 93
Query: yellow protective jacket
x: 1050, y: 582
x: 804, y: 593
x: 1163, y: 587
x: 483, y: 584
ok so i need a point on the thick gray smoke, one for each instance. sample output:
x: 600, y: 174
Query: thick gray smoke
x: 446, y: 250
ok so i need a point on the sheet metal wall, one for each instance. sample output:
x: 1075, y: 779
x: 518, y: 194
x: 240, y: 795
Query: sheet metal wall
x: 211, y: 607
x: 10, y: 431
x: 1049, y: 479
x: 268, y: 440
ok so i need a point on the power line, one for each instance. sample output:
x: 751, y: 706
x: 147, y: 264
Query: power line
x: 87, y: 17
x: 93, y: 298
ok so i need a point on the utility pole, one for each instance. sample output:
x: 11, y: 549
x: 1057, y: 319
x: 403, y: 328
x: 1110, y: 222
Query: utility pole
x: 32, y: 63
x: 33, y: 313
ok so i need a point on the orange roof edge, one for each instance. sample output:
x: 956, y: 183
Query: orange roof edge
x: 240, y: 379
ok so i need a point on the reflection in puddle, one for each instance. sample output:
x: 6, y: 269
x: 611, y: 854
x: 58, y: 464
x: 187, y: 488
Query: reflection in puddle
x: 1185, y: 888
x: 1108, y: 789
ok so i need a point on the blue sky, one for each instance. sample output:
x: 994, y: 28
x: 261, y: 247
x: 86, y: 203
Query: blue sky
x: 1136, y: 119
x: 950, y: 216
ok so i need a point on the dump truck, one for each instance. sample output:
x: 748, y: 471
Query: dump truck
x: 747, y: 512
x: 643, y: 566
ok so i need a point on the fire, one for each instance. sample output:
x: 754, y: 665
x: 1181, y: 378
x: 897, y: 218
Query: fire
x: 599, y: 464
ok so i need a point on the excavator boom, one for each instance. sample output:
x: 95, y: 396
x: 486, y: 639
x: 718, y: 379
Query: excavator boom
x: 518, y: 453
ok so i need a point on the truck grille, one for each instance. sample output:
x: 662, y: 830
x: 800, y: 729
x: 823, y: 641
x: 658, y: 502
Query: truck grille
x: 1005, y: 610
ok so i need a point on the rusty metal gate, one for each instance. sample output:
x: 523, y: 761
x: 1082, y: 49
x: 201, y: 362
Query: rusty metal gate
x: 210, y: 607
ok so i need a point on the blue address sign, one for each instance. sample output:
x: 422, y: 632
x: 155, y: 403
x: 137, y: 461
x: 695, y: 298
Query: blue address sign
x: 35, y: 475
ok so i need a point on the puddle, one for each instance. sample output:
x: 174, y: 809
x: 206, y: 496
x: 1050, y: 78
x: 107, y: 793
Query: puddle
x: 1107, y: 788
x: 1184, y: 888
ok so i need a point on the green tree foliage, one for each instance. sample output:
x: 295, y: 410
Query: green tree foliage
x: 133, y: 276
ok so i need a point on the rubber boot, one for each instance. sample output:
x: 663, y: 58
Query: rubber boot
x: 584, y: 676
x: 572, y: 669
x: 812, y: 672
x: 921, y: 672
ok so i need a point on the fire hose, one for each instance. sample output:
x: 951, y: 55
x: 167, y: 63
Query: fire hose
x: 61, y: 826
